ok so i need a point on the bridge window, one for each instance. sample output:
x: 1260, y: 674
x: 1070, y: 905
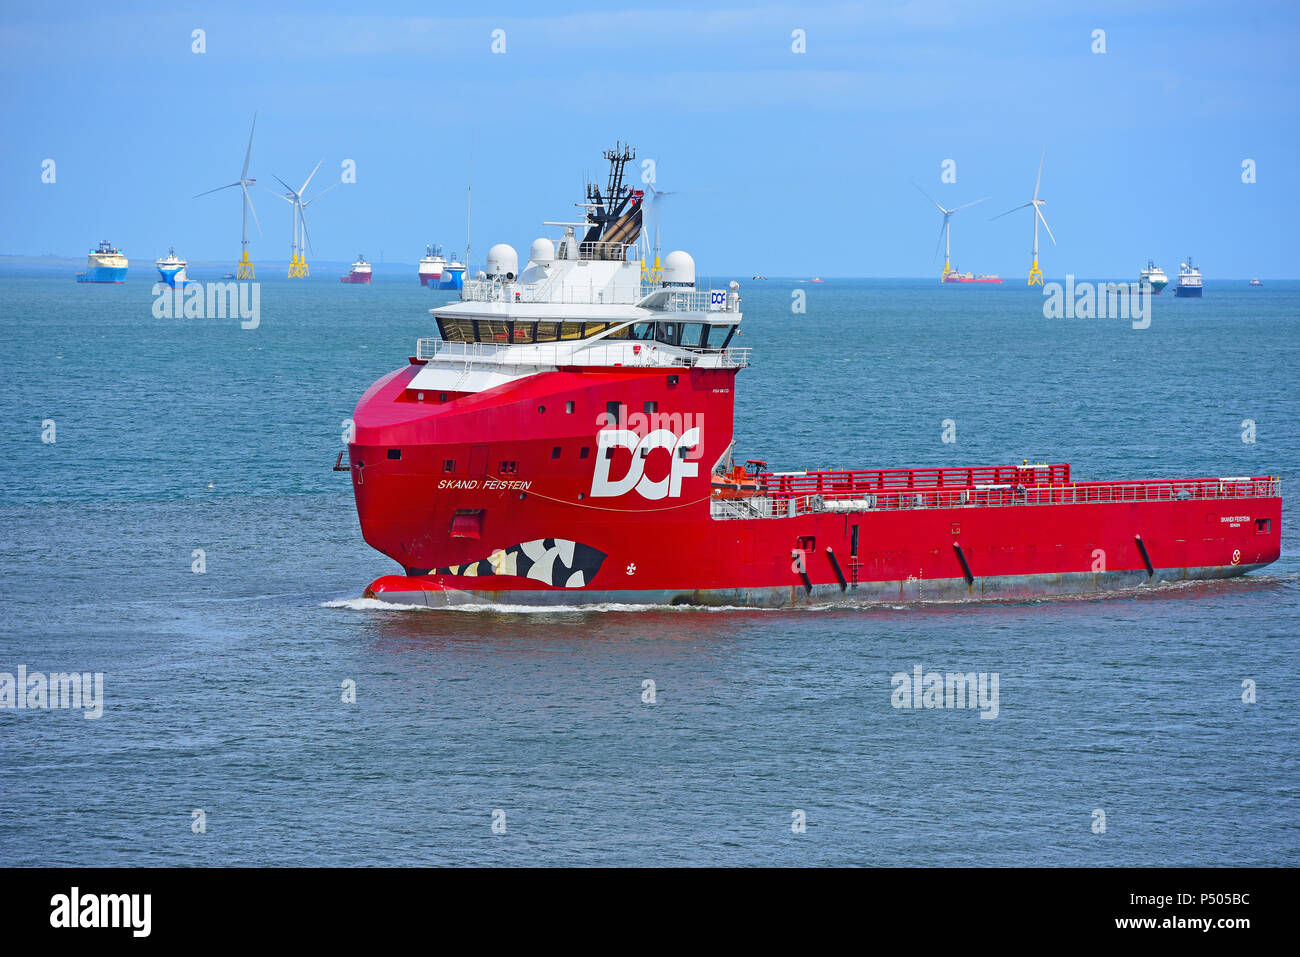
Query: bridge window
x: 548, y: 331
x: 570, y: 330
x: 692, y: 335
x: 492, y: 330
x: 456, y: 330
x: 719, y: 336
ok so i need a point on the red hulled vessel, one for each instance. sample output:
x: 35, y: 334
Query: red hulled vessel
x: 360, y: 272
x: 567, y: 439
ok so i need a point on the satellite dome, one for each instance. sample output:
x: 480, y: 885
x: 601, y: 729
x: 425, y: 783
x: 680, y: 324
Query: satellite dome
x: 502, y: 262
x: 541, y: 251
x: 679, y: 269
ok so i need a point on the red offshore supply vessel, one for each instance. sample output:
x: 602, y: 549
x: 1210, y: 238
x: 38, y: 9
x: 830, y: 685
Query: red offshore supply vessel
x: 567, y: 439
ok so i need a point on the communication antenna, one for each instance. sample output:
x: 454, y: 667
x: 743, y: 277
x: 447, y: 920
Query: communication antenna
x: 469, y: 197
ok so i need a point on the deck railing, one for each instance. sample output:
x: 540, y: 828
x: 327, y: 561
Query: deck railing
x: 574, y: 353
x: 889, y: 492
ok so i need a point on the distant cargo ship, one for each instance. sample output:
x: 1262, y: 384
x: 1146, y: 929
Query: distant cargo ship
x: 359, y: 273
x: 1154, y: 275
x: 172, y: 270
x: 1256, y: 282
x: 105, y: 264
x: 970, y: 277
x: 1189, y: 281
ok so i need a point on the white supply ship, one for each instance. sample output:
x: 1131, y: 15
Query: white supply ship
x: 1189, y: 281
x: 172, y: 270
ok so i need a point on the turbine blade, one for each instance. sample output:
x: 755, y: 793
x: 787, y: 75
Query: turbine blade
x: 1010, y: 211
x: 1045, y: 226
x: 284, y: 184
x: 251, y: 209
x: 930, y: 198
x: 217, y: 190
x: 968, y: 205
x: 939, y: 242
x: 249, y: 151
x: 313, y: 173
x: 1038, y: 182
x: 320, y: 194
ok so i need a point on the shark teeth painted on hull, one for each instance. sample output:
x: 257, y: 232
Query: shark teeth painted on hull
x: 553, y: 561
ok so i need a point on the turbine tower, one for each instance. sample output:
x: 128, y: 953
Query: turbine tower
x: 945, y: 231
x: 245, y: 265
x: 298, y: 268
x: 1035, y: 274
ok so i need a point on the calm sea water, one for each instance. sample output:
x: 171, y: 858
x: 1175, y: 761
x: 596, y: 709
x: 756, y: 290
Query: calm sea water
x: 222, y: 689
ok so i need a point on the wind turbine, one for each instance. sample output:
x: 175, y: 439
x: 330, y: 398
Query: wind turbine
x: 656, y: 273
x: 245, y: 266
x: 298, y: 268
x: 945, y: 231
x: 1035, y: 274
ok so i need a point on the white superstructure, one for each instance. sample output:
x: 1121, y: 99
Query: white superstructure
x: 576, y: 303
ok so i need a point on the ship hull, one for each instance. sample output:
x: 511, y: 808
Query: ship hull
x: 1188, y: 292
x: 450, y: 279
x: 428, y: 592
x: 174, y: 276
x: 356, y: 279
x: 103, y: 274
x: 499, y: 496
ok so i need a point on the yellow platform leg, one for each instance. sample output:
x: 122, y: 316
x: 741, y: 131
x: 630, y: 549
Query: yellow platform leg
x: 946, y: 269
x: 1035, y: 274
x: 245, y: 268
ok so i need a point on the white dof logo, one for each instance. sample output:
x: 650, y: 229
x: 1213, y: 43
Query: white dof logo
x: 670, y: 486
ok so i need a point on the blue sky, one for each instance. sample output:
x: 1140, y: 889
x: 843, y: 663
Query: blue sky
x: 788, y: 164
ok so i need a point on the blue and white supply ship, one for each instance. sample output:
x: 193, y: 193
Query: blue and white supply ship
x: 453, y: 275
x: 172, y: 270
x: 1189, y: 280
x: 437, y: 273
x: 105, y: 264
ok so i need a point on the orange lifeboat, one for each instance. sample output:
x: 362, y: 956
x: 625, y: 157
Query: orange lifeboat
x: 736, y: 483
